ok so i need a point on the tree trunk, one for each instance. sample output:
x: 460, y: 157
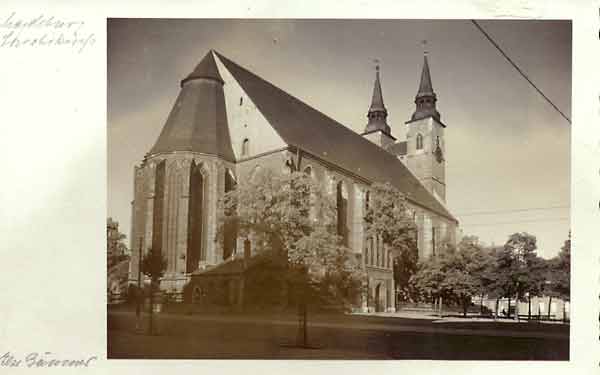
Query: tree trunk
x: 441, y: 307
x: 529, y: 308
x: 517, y: 307
x: 465, y: 308
x: 481, y: 305
x: 304, y: 327
x: 496, y: 312
x: 564, y: 311
x: 151, y: 307
x: 508, y: 312
x: 549, y: 307
x: 302, y: 338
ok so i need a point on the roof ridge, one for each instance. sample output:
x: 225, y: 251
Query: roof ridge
x: 285, y: 93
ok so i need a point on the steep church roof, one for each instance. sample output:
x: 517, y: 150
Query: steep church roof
x: 198, y: 120
x: 303, y: 126
x: 207, y: 68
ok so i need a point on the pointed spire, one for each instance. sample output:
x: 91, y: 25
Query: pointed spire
x: 207, y: 68
x: 426, y: 98
x: 377, y: 99
x: 425, y: 86
x: 377, y: 114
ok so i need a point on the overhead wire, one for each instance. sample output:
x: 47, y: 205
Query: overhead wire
x: 491, y: 40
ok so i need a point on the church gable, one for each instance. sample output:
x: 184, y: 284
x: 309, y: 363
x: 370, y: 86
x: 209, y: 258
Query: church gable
x: 251, y: 133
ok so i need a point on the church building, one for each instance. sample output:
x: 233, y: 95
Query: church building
x: 228, y: 122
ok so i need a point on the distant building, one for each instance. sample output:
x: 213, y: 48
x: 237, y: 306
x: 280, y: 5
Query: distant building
x: 542, y: 307
x: 227, y: 123
x: 117, y: 262
x: 115, y: 247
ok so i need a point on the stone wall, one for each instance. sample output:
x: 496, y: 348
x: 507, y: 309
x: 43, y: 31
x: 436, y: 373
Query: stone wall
x: 174, y: 224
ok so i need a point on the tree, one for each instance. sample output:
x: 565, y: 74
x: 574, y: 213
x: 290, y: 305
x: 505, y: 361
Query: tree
x: 495, y: 282
x: 427, y: 281
x: 292, y: 217
x: 539, y: 273
x: 465, y: 271
x: 153, y: 266
x: 558, y: 283
x: 562, y: 271
x: 515, y: 263
x: 116, y: 248
x: 455, y: 275
x: 387, y: 217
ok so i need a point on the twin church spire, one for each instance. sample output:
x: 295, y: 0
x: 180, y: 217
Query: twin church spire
x: 377, y: 113
x: 425, y: 98
x: 425, y: 101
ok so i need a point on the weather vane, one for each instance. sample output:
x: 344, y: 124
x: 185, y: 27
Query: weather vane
x: 424, y: 44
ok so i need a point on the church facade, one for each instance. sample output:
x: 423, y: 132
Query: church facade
x: 227, y: 123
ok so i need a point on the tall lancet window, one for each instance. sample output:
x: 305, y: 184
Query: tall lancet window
x: 369, y: 240
x: 230, y: 229
x: 245, y: 147
x: 433, y: 244
x: 158, y: 211
x: 196, y: 218
x: 342, y: 212
x: 419, y: 142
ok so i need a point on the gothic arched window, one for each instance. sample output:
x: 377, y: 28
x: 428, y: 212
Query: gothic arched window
x: 342, y: 212
x: 196, y: 217
x: 419, y: 142
x: 230, y: 229
x: 245, y: 147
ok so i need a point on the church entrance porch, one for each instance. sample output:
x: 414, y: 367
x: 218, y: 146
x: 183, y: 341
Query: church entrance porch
x: 380, y: 291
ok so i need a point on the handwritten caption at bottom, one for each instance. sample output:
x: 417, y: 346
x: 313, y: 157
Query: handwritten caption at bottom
x: 45, y: 359
x: 43, y: 31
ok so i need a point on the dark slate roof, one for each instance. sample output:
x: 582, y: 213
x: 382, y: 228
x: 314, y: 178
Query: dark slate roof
x: 198, y: 120
x: 229, y: 267
x: 377, y: 99
x: 425, y: 110
x: 377, y: 113
x: 235, y: 266
x: 397, y: 148
x: 303, y: 126
x: 207, y: 68
x: 425, y: 86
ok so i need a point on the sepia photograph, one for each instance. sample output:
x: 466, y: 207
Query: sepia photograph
x: 350, y: 189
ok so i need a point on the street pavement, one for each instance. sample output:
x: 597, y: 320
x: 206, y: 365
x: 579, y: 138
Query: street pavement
x: 335, y: 337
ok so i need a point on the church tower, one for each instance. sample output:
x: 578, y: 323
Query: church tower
x: 179, y: 182
x: 425, y: 143
x: 377, y: 129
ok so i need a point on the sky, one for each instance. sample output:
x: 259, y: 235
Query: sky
x: 507, y: 150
